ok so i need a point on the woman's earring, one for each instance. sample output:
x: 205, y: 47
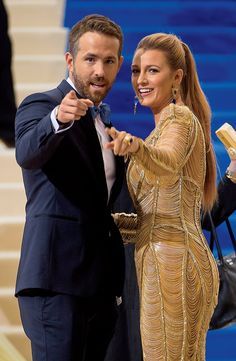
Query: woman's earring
x: 174, y: 94
x: 135, y: 104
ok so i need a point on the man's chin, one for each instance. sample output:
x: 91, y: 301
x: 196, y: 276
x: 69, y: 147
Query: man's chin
x: 97, y: 96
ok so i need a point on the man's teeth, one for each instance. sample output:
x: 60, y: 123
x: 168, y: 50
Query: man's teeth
x: 146, y: 90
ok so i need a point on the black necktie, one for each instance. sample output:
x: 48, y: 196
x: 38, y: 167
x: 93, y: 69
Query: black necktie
x: 104, y: 111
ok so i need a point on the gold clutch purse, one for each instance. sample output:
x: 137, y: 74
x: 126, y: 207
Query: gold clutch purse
x: 227, y: 135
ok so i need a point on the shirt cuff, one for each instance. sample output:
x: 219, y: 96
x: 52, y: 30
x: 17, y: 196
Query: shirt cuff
x: 56, y: 126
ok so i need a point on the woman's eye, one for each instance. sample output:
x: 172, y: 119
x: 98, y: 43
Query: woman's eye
x: 153, y: 70
x: 134, y: 71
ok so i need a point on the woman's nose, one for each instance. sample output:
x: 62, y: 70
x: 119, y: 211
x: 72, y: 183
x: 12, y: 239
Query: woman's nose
x: 142, y: 79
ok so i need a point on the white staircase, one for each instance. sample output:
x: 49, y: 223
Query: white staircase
x: 39, y: 43
x: 12, y: 202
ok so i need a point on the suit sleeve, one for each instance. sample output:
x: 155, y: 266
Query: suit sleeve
x: 36, y: 140
x: 225, y: 205
x: 169, y: 154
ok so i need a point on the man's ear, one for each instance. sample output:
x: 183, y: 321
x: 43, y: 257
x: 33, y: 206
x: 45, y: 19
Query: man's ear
x: 121, y: 59
x: 69, y: 61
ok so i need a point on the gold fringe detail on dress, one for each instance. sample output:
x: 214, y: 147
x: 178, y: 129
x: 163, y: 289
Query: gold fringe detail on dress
x: 177, y: 275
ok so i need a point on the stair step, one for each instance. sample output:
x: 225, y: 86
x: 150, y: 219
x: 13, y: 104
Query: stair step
x: 38, y: 41
x: 9, y: 255
x: 11, y: 231
x: 50, y: 68
x: 9, y: 263
x: 9, y: 306
x: 32, y: 13
x: 8, y: 352
x: 13, y: 199
x: 11, y: 2
x: 38, y: 64
x: 11, y: 330
x: 22, y: 90
x: 11, y: 172
x: 3, y: 318
x: 17, y: 337
x: 6, y: 292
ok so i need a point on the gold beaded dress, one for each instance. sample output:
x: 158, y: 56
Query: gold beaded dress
x: 177, y: 274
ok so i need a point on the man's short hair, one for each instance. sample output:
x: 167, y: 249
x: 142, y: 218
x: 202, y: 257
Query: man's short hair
x: 94, y: 23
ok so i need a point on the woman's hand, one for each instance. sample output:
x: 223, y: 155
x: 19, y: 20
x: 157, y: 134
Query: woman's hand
x: 232, y: 153
x: 231, y: 170
x: 122, y: 143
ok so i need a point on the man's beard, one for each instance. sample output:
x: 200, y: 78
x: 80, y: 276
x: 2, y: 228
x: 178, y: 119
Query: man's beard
x: 83, y: 89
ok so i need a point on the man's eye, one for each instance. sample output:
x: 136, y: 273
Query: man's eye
x: 110, y: 61
x: 90, y: 60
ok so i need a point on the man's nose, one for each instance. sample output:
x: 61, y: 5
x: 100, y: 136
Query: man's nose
x: 99, y: 69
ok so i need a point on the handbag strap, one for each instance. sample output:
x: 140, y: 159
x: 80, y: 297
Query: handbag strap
x: 232, y: 237
x: 214, y: 239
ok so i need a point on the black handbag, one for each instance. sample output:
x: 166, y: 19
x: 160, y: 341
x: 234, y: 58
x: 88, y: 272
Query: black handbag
x: 225, y: 311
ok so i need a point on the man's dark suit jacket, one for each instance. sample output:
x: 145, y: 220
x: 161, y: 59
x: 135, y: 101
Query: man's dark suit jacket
x: 225, y: 205
x: 70, y: 242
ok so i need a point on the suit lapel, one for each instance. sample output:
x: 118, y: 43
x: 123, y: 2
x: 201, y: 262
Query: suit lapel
x: 85, y: 128
x: 119, y: 163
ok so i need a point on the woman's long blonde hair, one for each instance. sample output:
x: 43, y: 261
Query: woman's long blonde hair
x: 179, y: 56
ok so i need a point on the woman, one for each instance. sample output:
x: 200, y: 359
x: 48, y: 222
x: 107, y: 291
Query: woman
x: 171, y: 175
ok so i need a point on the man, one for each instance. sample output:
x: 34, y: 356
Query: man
x: 226, y: 203
x: 71, y: 269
